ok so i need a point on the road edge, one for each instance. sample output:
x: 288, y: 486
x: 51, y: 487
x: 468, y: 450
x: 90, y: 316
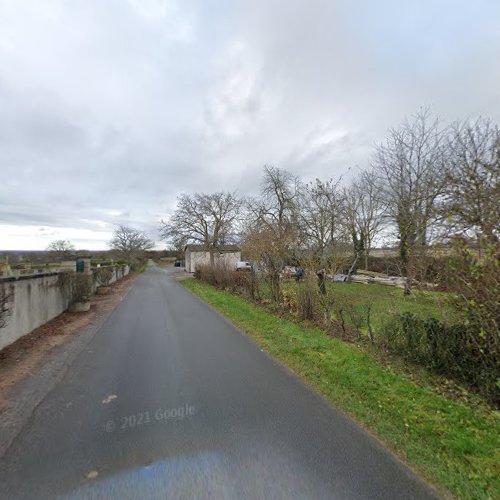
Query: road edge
x: 32, y: 390
x: 439, y: 491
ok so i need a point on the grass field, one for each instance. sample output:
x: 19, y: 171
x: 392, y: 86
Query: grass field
x: 385, y: 300
x: 388, y: 300
x: 452, y: 444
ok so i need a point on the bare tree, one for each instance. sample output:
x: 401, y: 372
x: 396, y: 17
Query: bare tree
x: 321, y: 218
x: 277, y: 207
x: 130, y: 243
x: 323, y: 270
x: 207, y: 219
x: 364, y: 212
x: 471, y: 205
x: 62, y: 248
x: 410, y: 166
x: 273, y: 232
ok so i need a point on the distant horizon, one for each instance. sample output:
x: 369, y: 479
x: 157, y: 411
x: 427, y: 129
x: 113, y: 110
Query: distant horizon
x: 110, y: 110
x: 17, y: 250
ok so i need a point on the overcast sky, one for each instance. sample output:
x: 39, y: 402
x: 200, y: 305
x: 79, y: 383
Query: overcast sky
x: 111, y: 108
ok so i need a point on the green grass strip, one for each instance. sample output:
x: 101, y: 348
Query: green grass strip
x: 449, y: 443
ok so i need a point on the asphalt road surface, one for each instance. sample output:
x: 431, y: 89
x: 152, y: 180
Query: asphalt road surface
x: 169, y: 400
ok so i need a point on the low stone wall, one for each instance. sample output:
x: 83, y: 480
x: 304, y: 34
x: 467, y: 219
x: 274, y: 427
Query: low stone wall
x: 35, y: 300
x: 119, y: 272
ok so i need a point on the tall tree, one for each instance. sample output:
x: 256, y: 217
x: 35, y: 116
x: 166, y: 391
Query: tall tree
x: 472, y: 192
x: 321, y: 218
x: 364, y: 210
x: 410, y: 167
x: 130, y: 244
x: 273, y: 231
x: 211, y: 220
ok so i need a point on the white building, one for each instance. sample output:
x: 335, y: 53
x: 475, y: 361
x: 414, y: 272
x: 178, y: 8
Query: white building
x: 195, y: 255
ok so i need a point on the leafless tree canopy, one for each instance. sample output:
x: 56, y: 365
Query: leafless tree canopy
x: 410, y: 170
x: 130, y: 243
x: 272, y: 231
x: 321, y: 218
x: 211, y: 220
x: 364, y: 210
x: 471, y: 204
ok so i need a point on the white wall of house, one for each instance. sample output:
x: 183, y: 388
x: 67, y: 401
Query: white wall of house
x: 197, y: 258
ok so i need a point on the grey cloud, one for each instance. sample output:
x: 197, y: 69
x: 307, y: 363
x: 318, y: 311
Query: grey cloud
x: 109, y: 110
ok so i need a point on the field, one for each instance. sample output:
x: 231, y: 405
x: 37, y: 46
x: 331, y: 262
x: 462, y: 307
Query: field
x: 385, y: 301
x: 452, y: 443
x: 388, y: 300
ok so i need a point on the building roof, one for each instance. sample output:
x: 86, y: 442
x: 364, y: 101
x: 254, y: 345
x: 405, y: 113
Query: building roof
x: 203, y: 248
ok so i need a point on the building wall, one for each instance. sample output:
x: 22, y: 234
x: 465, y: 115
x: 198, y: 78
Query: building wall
x: 187, y: 261
x: 193, y: 259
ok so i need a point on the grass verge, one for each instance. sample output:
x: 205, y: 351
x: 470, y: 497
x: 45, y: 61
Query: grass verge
x: 448, y: 442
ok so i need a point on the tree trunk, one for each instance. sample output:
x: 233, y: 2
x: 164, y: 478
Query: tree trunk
x: 328, y: 317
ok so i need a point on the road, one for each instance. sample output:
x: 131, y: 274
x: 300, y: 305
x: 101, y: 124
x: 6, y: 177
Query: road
x: 169, y: 400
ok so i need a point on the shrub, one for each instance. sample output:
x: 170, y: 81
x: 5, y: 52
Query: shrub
x: 307, y: 297
x: 247, y: 281
x: 390, y: 265
x: 222, y: 276
x: 290, y: 298
x: 81, y: 287
x: 474, y: 277
x: 205, y: 273
x: 451, y: 350
x: 103, y: 275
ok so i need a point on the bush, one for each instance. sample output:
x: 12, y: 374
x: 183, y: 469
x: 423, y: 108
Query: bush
x: 390, y: 265
x: 103, y: 275
x: 138, y: 263
x: 221, y: 276
x: 447, y: 349
x: 290, y: 298
x: 307, y: 297
x: 81, y: 287
x: 474, y: 276
x: 247, y: 281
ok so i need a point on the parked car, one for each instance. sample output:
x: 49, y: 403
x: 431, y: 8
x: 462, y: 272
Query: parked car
x: 289, y: 272
x: 243, y: 265
x: 179, y: 263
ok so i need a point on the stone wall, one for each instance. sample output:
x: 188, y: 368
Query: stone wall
x: 35, y: 300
